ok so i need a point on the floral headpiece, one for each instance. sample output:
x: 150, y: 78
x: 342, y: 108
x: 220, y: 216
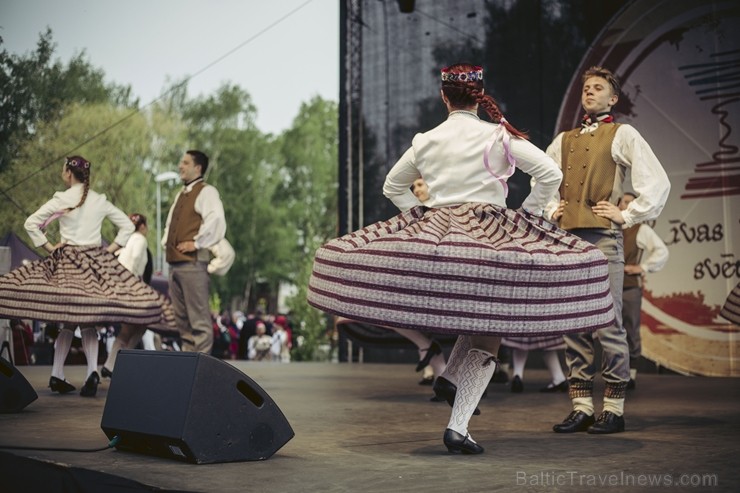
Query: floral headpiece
x: 468, y: 76
x: 137, y: 219
x: 77, y: 162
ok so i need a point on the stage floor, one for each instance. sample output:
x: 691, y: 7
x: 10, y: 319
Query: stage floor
x: 371, y: 428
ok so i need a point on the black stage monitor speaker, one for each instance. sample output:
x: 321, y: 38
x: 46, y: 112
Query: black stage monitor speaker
x: 15, y: 391
x: 191, y: 407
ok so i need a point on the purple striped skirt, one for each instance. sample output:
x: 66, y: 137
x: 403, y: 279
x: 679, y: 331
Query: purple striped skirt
x: 731, y: 307
x: 545, y: 342
x: 82, y: 285
x: 470, y: 269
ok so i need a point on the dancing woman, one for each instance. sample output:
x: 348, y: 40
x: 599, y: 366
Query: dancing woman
x: 79, y: 283
x: 463, y: 263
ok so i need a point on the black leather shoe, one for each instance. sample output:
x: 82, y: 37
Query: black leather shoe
x: 444, y: 389
x: 433, y: 350
x: 61, y: 386
x: 576, y: 421
x: 91, y: 385
x: 608, y: 422
x: 561, y: 387
x: 106, y: 373
x: 499, y: 376
x: 516, y: 385
x: 631, y: 384
x: 455, y: 443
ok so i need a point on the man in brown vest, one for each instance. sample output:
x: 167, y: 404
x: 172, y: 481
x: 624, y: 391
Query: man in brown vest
x: 594, y: 159
x: 644, y: 252
x: 194, y: 224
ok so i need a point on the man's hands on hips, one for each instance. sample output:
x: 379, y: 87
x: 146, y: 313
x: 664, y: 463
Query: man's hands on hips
x: 186, y: 246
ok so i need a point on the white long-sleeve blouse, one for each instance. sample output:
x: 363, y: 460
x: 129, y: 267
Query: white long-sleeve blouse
x: 79, y: 226
x: 450, y: 160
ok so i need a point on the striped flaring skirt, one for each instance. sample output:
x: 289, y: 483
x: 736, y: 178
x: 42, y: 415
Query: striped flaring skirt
x: 470, y: 269
x: 532, y: 343
x: 81, y: 285
x: 731, y: 307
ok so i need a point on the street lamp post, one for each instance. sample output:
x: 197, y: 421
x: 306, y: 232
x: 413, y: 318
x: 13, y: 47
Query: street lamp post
x: 166, y: 176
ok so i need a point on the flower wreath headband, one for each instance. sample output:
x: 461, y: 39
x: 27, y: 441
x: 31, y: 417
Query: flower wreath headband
x: 77, y: 162
x: 469, y: 76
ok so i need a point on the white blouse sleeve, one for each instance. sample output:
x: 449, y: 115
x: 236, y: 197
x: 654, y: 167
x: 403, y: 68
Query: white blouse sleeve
x: 656, y: 252
x: 211, y: 209
x: 649, y: 180
x: 542, y: 168
x: 397, y: 186
x: 34, y: 221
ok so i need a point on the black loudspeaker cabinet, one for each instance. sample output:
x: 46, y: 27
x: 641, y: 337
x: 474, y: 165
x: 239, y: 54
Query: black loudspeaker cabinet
x: 191, y: 407
x: 15, y: 391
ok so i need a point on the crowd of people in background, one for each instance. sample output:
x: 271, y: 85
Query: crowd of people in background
x: 257, y: 336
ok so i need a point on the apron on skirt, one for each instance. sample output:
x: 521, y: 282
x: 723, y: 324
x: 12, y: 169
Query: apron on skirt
x: 82, y: 285
x: 474, y: 269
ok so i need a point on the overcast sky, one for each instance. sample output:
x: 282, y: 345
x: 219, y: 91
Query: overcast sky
x: 145, y: 43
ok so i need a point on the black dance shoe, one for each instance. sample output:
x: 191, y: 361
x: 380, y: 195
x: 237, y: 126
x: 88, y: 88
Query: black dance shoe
x: 91, y: 385
x: 426, y: 381
x: 561, y: 387
x: 433, y: 350
x: 576, y: 421
x: 444, y: 389
x: 517, y: 386
x: 455, y: 443
x: 106, y: 373
x: 607, y: 422
x: 61, y: 386
x: 631, y: 384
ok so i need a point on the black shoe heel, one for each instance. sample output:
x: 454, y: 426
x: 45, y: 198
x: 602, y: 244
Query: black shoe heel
x: 91, y: 385
x: 444, y: 389
x: 456, y: 443
x: 61, y: 386
x: 433, y: 350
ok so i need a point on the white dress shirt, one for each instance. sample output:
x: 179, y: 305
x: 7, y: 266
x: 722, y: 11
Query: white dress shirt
x: 450, y: 160
x: 80, y: 226
x: 655, y: 252
x: 208, y: 204
x: 133, y: 255
x: 649, y: 179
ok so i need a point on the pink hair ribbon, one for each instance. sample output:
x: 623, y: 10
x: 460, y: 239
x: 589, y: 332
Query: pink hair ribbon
x: 503, y: 135
x: 51, y: 218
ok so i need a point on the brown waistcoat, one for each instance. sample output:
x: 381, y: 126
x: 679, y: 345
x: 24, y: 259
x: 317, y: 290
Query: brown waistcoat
x: 589, y: 176
x: 632, y: 256
x: 184, y: 225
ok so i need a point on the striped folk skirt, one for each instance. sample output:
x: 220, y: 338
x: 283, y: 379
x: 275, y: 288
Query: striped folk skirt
x: 470, y: 269
x: 81, y: 285
x: 544, y: 342
x: 731, y: 307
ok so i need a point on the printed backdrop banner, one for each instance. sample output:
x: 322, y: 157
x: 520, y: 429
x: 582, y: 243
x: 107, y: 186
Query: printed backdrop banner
x: 679, y: 64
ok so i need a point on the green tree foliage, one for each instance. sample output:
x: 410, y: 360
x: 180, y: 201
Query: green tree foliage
x: 118, y: 160
x: 308, y: 197
x: 36, y: 89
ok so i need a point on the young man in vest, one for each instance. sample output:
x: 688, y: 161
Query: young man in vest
x: 194, y: 224
x: 594, y: 159
x: 644, y: 252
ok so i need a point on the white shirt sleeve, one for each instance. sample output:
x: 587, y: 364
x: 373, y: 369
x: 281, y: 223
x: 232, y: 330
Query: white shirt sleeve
x: 649, y: 179
x: 125, y: 227
x: 542, y: 168
x: 655, y: 252
x: 554, y: 150
x: 133, y: 255
x: 213, y: 228
x: 397, y: 186
x: 37, y: 218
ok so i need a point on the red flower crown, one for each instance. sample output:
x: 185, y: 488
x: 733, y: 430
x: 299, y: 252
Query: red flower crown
x: 465, y: 76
